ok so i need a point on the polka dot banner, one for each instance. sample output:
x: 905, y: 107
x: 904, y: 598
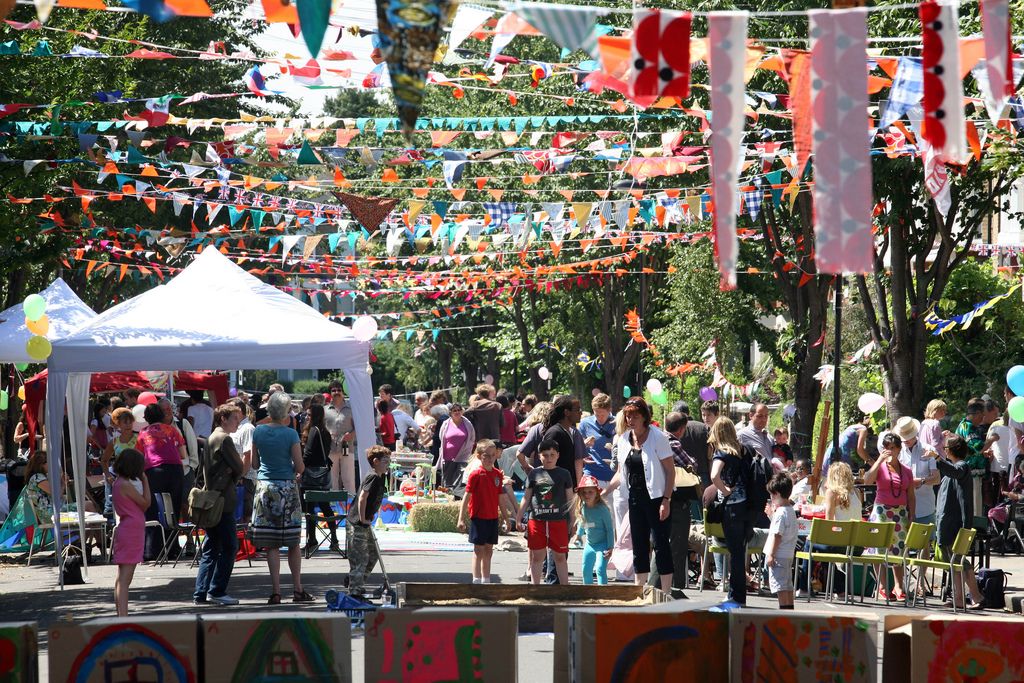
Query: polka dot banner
x: 943, y: 125
x: 842, y: 163
x: 727, y: 36
x: 660, y: 50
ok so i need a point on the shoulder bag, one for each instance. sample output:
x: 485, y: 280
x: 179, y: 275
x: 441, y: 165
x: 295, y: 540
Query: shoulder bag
x: 317, y: 478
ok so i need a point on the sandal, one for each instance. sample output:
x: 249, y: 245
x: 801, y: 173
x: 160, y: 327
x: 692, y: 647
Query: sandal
x: 301, y: 596
x: 974, y: 606
x: 899, y: 596
x: 275, y: 599
x: 883, y: 594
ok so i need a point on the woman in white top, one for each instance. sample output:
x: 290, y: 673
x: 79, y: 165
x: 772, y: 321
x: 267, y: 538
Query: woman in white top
x: 842, y: 501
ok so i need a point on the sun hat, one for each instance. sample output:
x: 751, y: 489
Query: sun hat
x: 906, y: 428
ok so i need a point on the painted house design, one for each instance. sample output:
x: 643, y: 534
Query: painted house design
x: 285, y: 651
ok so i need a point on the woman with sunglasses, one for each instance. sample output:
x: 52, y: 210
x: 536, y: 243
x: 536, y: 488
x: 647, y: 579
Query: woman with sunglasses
x: 894, y: 502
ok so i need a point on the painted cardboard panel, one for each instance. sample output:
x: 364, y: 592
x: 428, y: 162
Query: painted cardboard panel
x: 115, y: 650
x: 441, y: 644
x: 801, y: 646
x: 948, y: 649
x: 272, y: 647
x: 19, y: 652
x: 643, y: 645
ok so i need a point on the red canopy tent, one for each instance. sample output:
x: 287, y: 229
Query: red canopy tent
x: 106, y: 382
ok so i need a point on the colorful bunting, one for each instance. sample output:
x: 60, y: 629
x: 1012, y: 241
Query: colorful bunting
x: 313, y: 18
x: 842, y: 165
x: 943, y: 127
x: 567, y: 26
x: 369, y: 211
x: 409, y: 32
x: 660, y: 50
x: 727, y: 34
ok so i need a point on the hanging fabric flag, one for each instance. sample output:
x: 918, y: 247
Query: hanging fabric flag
x: 727, y: 34
x: 409, y: 32
x: 313, y: 18
x: 906, y: 91
x: 569, y: 27
x: 842, y: 165
x: 369, y: 211
x: 157, y: 110
x: 936, y: 176
x: 798, y: 69
x: 467, y: 19
x: 995, y: 24
x: 944, y: 126
x: 500, y: 212
x: 660, y: 51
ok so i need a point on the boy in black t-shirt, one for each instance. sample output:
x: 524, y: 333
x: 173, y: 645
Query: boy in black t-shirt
x: 362, y: 551
x: 549, y: 495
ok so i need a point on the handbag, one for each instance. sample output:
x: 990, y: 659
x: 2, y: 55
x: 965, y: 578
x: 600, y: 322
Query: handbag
x: 317, y: 478
x: 205, y: 508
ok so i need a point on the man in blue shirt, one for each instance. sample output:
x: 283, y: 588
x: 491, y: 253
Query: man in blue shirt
x: 598, y: 431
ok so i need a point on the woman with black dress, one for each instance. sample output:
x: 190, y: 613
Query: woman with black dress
x: 316, y: 448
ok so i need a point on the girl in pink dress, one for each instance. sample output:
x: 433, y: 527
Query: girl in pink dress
x: 130, y: 494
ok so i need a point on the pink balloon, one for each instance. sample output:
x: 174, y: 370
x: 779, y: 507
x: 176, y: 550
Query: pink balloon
x: 147, y: 397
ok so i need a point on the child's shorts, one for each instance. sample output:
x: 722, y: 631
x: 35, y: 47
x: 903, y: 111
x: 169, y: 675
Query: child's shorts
x: 552, y: 534
x: 483, y: 531
x: 780, y: 577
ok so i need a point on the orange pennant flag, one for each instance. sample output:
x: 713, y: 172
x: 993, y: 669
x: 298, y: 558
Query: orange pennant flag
x: 280, y: 12
x: 481, y: 181
x: 189, y: 8
x: 389, y: 176
x: 459, y: 193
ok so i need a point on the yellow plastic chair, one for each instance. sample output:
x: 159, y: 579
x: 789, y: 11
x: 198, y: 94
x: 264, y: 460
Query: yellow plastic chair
x: 919, y: 539
x: 831, y: 533
x: 714, y: 544
x: 876, y: 536
x: 955, y: 564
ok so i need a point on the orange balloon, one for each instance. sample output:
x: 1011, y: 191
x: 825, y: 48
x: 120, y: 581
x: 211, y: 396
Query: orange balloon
x: 40, y: 327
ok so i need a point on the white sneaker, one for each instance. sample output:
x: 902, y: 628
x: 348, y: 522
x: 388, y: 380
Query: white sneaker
x: 222, y: 600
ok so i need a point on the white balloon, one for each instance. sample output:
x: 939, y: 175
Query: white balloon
x: 364, y: 328
x: 870, y: 402
x: 654, y: 386
x: 544, y: 373
x: 139, y: 413
x: 489, y: 379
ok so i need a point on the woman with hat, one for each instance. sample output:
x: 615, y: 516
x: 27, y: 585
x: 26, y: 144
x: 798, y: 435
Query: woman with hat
x: 894, y: 502
x: 594, y: 525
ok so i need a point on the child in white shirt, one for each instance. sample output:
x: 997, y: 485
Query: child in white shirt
x: 780, y: 548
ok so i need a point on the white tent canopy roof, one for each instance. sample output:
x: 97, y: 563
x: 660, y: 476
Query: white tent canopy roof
x: 211, y: 315
x: 65, y: 310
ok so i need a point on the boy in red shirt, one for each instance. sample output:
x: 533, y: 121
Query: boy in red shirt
x: 484, y: 487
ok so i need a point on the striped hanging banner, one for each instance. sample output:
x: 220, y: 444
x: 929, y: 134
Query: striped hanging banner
x: 727, y: 39
x: 842, y: 165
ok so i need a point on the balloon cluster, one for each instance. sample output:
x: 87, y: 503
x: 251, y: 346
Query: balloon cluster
x: 1015, y: 380
x: 38, y: 346
x: 657, y: 391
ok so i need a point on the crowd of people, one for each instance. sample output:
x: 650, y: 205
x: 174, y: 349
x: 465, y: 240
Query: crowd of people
x: 633, y: 492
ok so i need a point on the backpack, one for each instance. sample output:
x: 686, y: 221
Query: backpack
x: 992, y: 584
x: 757, y: 472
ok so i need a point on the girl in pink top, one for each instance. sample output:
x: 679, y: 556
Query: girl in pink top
x: 130, y: 493
x: 894, y: 502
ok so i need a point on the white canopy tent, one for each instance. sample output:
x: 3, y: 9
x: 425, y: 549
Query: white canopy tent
x: 65, y: 310
x: 212, y: 315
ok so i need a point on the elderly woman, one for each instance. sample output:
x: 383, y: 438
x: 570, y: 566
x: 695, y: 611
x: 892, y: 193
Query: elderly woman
x: 457, y: 437
x: 222, y: 468
x: 894, y: 502
x: 645, y: 462
x: 164, y: 448
x: 277, y: 512
x: 727, y: 474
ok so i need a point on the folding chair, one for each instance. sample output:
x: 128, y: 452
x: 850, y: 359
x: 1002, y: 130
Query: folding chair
x: 317, y: 534
x: 832, y: 533
x: 39, y: 533
x: 919, y: 539
x: 955, y: 565
x: 872, y: 536
x: 169, y: 523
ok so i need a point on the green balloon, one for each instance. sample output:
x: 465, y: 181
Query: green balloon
x: 4, y: 398
x: 626, y: 392
x: 21, y: 367
x: 661, y: 399
x: 34, y: 306
x: 1016, y: 408
x: 38, y: 348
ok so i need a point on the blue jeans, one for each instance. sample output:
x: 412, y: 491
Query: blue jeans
x: 217, y: 558
x: 592, y: 557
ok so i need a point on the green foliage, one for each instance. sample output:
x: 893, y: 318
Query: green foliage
x: 310, y: 386
x: 971, y: 362
x: 259, y: 380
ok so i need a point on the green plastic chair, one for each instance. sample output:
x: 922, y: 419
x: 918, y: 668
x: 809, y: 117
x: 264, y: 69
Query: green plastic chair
x: 831, y: 533
x: 955, y: 564
x: 919, y: 539
x: 872, y: 536
x: 714, y: 544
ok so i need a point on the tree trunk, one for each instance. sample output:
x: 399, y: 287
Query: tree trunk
x: 444, y: 361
